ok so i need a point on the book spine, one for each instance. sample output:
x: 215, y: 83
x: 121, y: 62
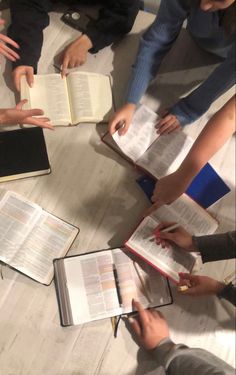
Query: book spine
x: 62, y: 293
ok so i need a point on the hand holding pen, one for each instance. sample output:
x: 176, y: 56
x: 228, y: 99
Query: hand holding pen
x: 173, y: 232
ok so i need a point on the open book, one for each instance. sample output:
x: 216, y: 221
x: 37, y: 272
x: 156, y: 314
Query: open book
x: 162, y: 155
x: 80, y: 97
x: 144, y: 147
x: 171, y: 260
x: 102, y: 284
x: 31, y: 238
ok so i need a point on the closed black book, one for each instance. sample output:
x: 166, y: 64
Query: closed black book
x: 23, y: 153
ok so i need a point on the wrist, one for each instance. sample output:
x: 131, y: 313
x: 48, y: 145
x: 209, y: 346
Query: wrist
x: 2, y: 116
x: 86, y: 41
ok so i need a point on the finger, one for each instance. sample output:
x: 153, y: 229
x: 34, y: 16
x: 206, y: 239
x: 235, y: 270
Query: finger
x: 113, y: 125
x: 168, y: 128
x: 7, y: 55
x: 153, y: 208
x: 16, y: 78
x: 165, y: 120
x: 8, y: 40
x: 143, y: 314
x: 64, y: 67
x: 20, y: 105
x: 187, y: 276
x: 41, y: 124
x: 123, y: 129
x: 24, y: 113
x: 9, y: 51
x: 135, y: 326
x: 30, y: 77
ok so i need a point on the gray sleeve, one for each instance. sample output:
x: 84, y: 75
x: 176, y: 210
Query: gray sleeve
x: 216, y: 247
x: 181, y: 360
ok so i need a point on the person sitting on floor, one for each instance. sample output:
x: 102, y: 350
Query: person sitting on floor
x: 214, y: 135
x: 17, y: 115
x: 29, y: 18
x: 152, y: 332
x: 211, y: 23
x: 211, y: 248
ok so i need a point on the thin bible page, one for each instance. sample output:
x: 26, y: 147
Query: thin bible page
x: 90, y: 97
x: 169, y: 259
x: 49, y: 93
x: 189, y: 214
x: 140, y: 135
x: 17, y: 218
x: 91, y: 287
x: 50, y: 238
x: 166, y: 154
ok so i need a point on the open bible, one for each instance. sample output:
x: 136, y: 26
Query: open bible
x: 171, y: 260
x: 162, y: 155
x: 30, y: 238
x: 79, y: 97
x: 102, y: 284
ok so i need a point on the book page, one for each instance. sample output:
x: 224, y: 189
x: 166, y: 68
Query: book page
x: 134, y: 276
x: 90, y: 97
x: 49, y: 93
x: 17, y: 217
x: 189, y: 214
x: 140, y: 135
x: 170, y: 260
x: 91, y: 287
x: 166, y: 154
x: 50, y: 238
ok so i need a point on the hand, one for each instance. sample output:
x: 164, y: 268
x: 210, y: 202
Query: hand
x: 178, y: 236
x: 76, y: 53
x: 18, y: 115
x: 199, y: 285
x: 151, y: 327
x: 167, y: 124
x: 124, y: 114
x: 167, y: 190
x: 20, y: 71
x: 5, y: 50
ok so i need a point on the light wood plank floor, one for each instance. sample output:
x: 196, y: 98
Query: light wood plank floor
x: 93, y: 188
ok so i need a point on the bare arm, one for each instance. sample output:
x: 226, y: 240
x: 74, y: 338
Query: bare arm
x: 216, y: 132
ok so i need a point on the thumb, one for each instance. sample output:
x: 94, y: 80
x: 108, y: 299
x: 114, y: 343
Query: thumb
x: 30, y: 77
x: 21, y: 104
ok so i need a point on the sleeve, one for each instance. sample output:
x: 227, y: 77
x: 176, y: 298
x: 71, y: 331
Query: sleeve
x: 198, y: 101
x: 113, y: 22
x: 216, y: 247
x: 181, y: 360
x: 228, y: 293
x: 154, y: 44
x: 28, y: 19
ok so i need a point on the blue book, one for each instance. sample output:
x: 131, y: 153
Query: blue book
x: 206, y: 188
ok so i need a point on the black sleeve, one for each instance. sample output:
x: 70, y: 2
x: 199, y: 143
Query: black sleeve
x: 229, y: 293
x: 28, y: 19
x: 216, y: 247
x: 114, y: 21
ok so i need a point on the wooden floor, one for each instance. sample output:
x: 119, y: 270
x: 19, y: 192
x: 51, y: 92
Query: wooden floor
x: 93, y: 188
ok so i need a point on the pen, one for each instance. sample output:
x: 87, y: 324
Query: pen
x: 168, y: 229
x: 117, y: 285
x: 120, y: 124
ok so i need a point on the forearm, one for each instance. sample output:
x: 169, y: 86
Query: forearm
x: 155, y: 43
x: 214, y: 135
x: 28, y: 19
x: 181, y: 360
x: 216, y: 246
x: 198, y: 101
x: 114, y: 21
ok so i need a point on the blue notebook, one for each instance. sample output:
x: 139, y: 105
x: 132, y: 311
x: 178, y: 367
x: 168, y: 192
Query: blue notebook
x: 206, y: 188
